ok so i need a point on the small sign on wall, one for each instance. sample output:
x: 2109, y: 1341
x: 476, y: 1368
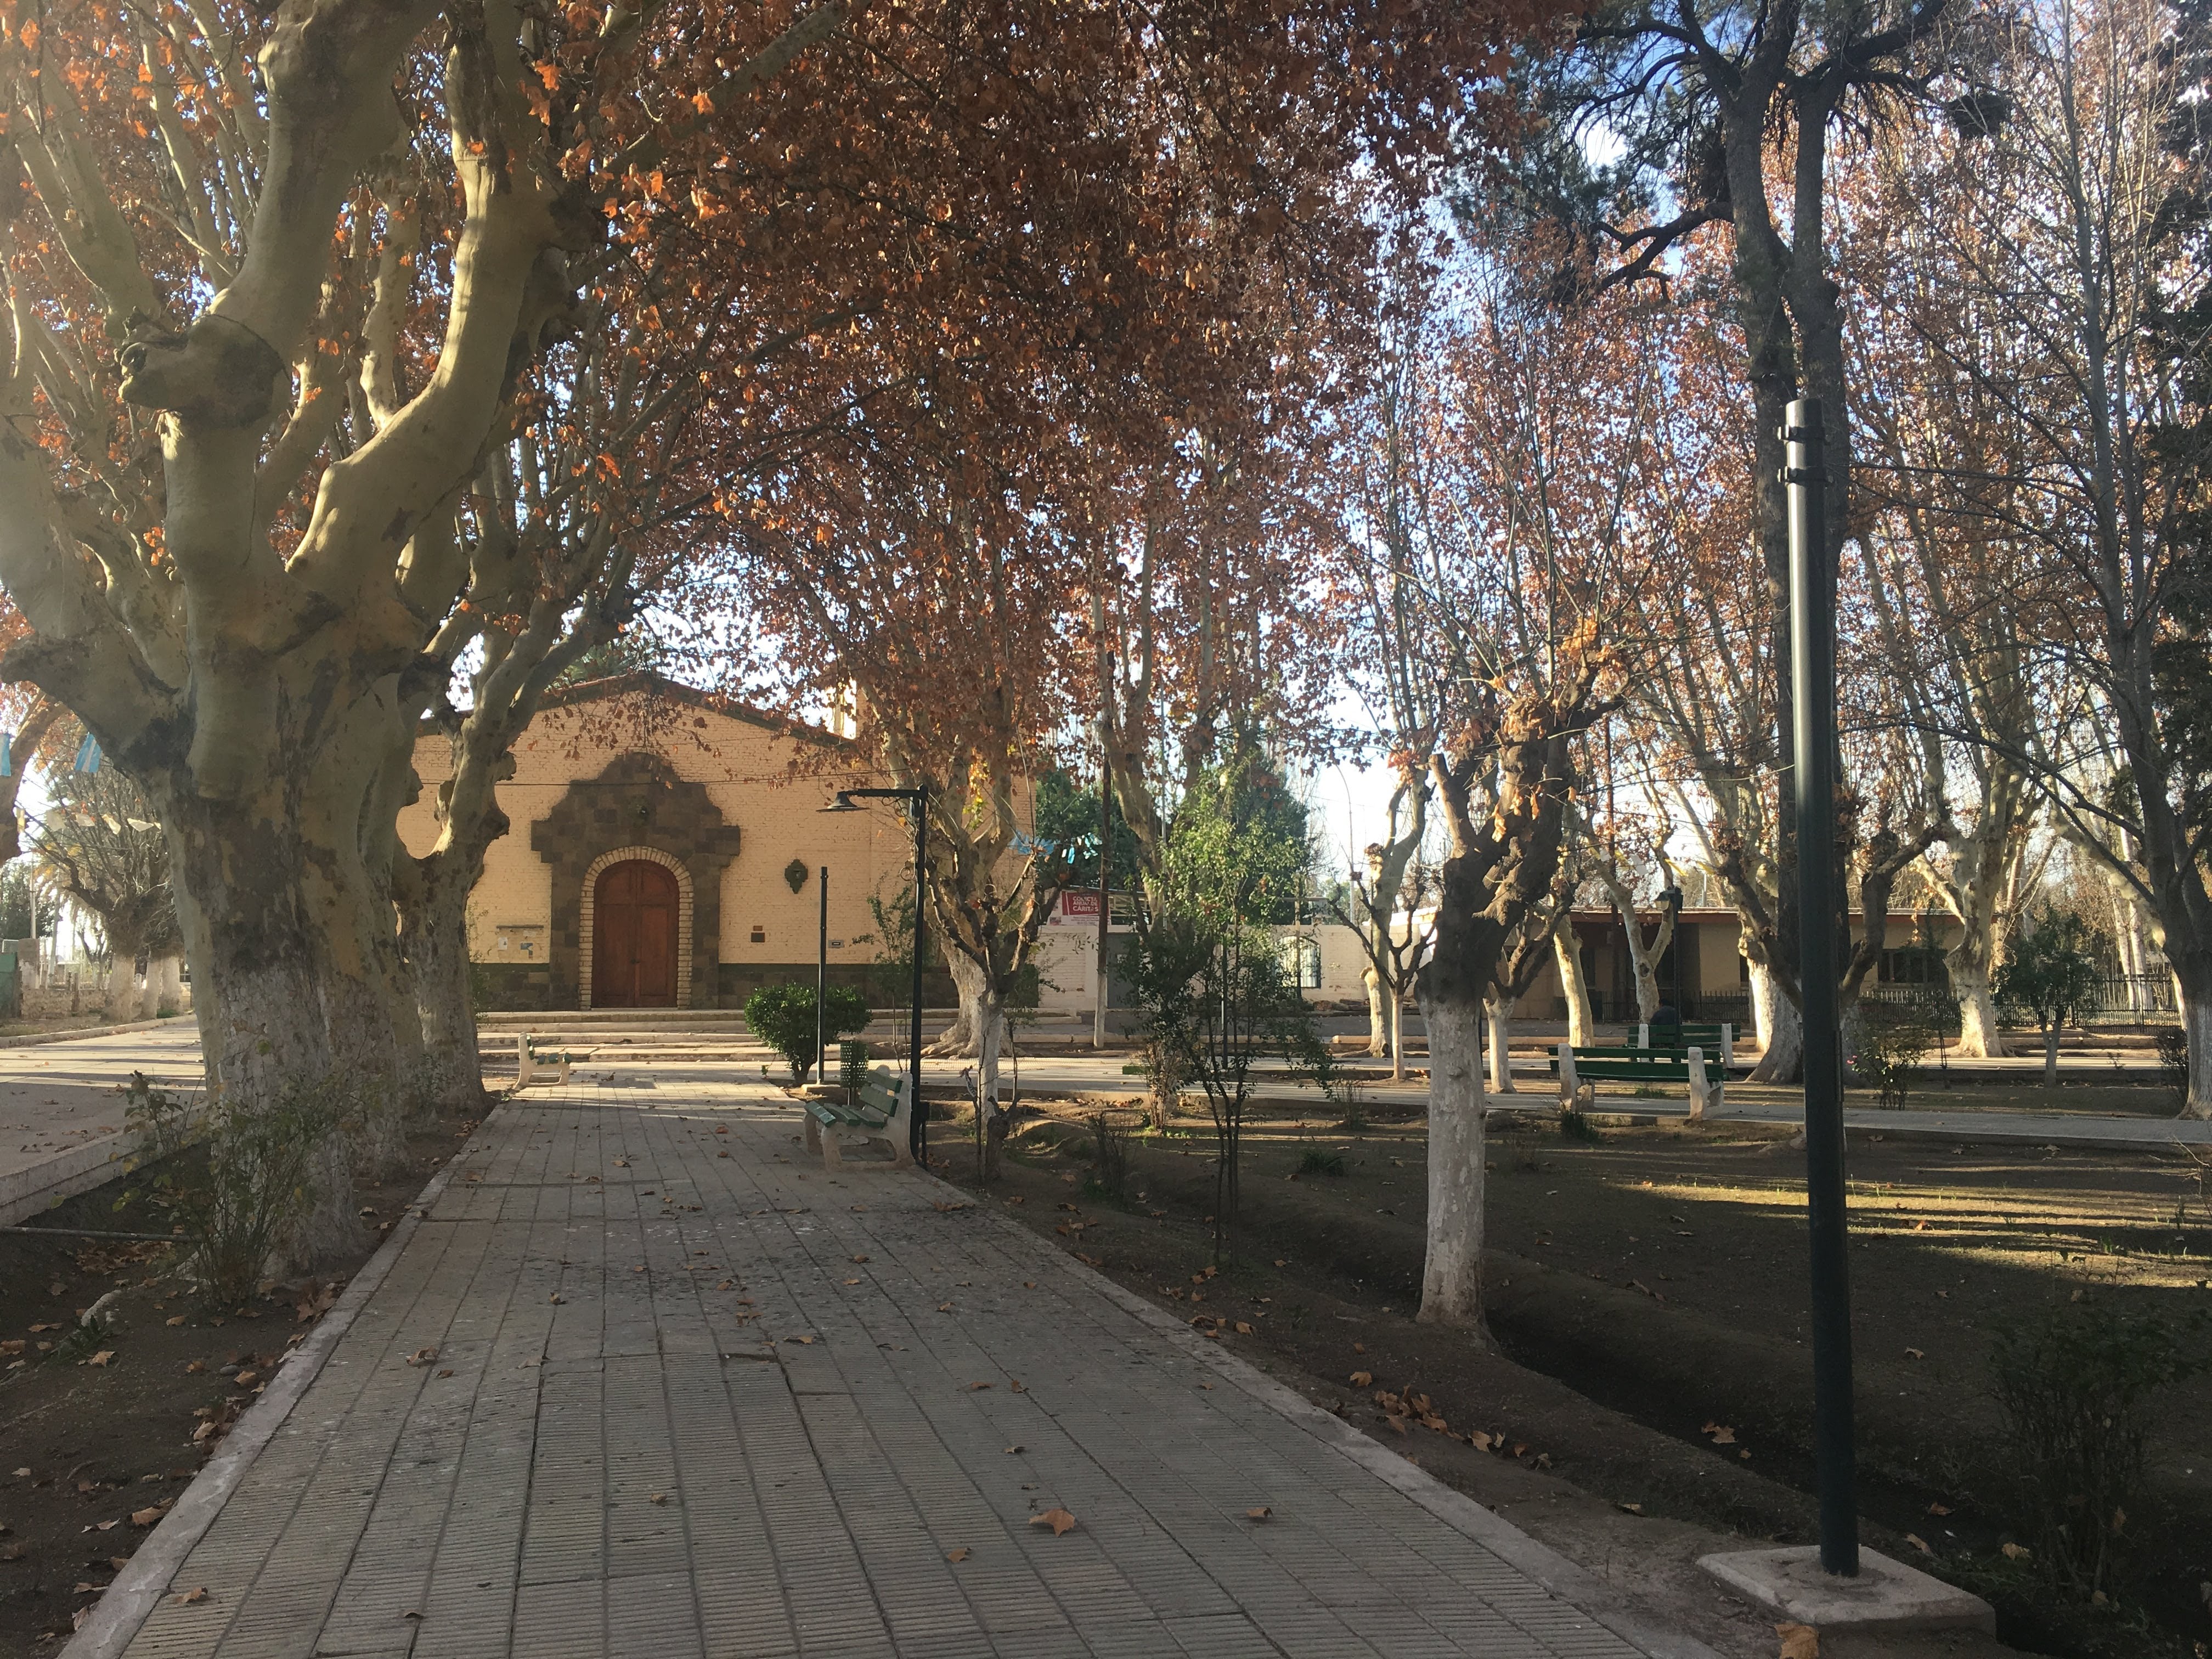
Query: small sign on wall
x: 519, y: 941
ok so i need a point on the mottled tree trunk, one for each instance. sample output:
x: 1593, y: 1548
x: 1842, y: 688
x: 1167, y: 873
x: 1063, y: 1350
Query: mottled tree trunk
x: 1451, y: 1272
x: 1574, y: 988
x: 433, y: 933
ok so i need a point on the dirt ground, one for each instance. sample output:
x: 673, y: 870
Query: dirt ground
x: 1647, y: 1398
x: 100, y: 1430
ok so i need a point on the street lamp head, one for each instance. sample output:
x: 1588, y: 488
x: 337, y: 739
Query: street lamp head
x: 844, y: 803
x: 1672, y: 898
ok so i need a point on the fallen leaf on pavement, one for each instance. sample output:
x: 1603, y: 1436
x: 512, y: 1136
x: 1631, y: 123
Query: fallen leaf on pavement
x: 2014, y: 1552
x: 945, y: 1307
x: 174, y: 1319
x: 1798, y: 1642
x: 1058, y: 1520
x: 1011, y: 1450
x: 1259, y: 1514
x: 1939, y: 1509
x: 960, y: 1554
x: 1020, y: 1387
x: 972, y: 1386
x: 1721, y: 1434
x: 1918, y: 1543
x: 658, y: 1497
x: 1242, y: 1330
x: 147, y: 1518
x: 1629, y: 1509
x: 422, y: 1355
x: 948, y: 1207
x: 104, y: 1357
x: 859, y: 1258
x: 1363, y: 1379
x: 186, y: 1598
x: 1914, y: 1353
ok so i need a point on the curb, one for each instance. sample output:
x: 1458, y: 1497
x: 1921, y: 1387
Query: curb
x: 41, y: 1186
x: 1563, y: 1578
x: 119, y: 1614
x: 40, y: 1037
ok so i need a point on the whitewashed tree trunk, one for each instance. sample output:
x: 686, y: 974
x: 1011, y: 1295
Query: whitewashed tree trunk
x: 1451, y: 1274
x: 1379, y: 1042
x: 1979, y: 1035
x: 963, y: 1038
x: 122, y: 980
x: 171, y: 994
x: 1397, y: 1039
x: 1780, y: 1030
x: 1575, y: 987
x: 1498, y: 1015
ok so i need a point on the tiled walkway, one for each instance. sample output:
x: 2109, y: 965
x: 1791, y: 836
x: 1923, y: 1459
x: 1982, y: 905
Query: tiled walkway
x: 689, y: 1396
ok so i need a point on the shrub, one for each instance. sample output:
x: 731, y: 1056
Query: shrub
x: 1109, y: 1176
x: 1314, y: 1161
x: 1575, y: 1125
x: 782, y: 1016
x: 268, y: 1167
x: 2074, y: 1388
x: 1888, y: 1058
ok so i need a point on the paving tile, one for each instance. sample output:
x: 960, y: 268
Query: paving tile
x: 672, y: 1428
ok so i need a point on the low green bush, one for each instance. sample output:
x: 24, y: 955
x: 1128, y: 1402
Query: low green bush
x: 782, y: 1016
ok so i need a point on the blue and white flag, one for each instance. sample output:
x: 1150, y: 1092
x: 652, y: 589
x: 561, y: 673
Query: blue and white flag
x: 7, y: 754
x: 88, y: 755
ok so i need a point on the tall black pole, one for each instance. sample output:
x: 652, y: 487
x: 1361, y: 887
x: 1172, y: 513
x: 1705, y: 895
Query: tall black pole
x: 1813, y: 659
x: 821, y: 984
x: 919, y: 1116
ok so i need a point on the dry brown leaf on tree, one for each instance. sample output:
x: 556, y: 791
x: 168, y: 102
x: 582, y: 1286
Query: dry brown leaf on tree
x: 1058, y: 1520
x: 1798, y: 1642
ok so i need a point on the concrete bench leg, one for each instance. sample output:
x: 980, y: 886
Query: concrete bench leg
x: 832, y: 1156
x: 813, y: 1135
x: 1704, y: 1092
x: 1566, y: 1076
x: 898, y: 1133
x: 525, y: 1070
x: 563, y: 1077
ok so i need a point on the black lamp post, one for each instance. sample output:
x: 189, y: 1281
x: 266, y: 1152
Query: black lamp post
x: 848, y: 802
x: 1813, y: 785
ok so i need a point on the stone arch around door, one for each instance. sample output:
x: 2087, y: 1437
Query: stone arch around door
x: 587, y: 922
x: 637, y: 808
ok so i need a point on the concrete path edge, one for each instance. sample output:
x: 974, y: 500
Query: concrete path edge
x: 1554, y: 1571
x: 128, y: 1602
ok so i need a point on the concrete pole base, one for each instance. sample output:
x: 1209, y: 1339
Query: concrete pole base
x: 1886, y: 1595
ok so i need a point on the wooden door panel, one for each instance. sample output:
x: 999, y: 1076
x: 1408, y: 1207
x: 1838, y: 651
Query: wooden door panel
x: 634, y: 944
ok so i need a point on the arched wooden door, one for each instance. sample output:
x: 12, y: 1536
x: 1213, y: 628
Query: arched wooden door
x: 633, y: 943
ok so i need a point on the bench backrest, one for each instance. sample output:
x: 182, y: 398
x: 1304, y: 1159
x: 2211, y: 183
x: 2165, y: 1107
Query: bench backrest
x: 881, y: 1092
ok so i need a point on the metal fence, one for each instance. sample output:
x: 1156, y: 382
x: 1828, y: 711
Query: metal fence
x: 2140, y: 997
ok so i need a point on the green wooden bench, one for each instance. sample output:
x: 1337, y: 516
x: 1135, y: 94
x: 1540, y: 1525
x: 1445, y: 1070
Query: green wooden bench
x: 536, y: 1057
x: 1715, y: 1037
x: 1574, y: 1067
x: 879, y: 1110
